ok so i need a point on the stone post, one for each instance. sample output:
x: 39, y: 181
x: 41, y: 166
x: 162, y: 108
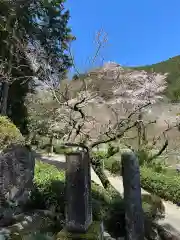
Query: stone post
x: 134, y: 216
x: 78, y: 192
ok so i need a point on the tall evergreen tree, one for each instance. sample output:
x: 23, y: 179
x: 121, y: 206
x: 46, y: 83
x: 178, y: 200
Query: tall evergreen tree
x: 24, y: 22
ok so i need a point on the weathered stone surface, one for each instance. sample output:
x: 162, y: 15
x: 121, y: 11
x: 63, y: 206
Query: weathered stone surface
x: 30, y: 223
x: 78, y: 192
x: 16, y: 176
x: 95, y: 232
x: 167, y: 232
x: 132, y: 197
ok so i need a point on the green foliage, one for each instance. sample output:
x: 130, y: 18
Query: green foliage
x: 112, y: 150
x: 54, y: 34
x: 163, y: 185
x: 99, y: 155
x: 113, y: 165
x: 17, y: 110
x: 9, y: 133
x: 116, y: 167
x: 22, y: 23
x: 143, y: 156
x: 145, y: 159
x: 60, y: 149
x: 108, y: 158
x: 159, y: 167
x: 49, y: 187
x: 14, y: 61
x: 153, y: 206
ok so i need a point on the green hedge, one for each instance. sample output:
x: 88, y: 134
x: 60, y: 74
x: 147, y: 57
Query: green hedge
x: 164, y: 185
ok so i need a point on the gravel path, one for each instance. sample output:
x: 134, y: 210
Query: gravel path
x: 172, y: 214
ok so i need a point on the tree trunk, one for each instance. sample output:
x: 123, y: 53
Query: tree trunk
x: 102, y: 176
x: 4, y: 100
x: 51, y: 145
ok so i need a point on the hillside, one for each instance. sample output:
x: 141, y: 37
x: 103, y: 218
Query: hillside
x: 171, y: 66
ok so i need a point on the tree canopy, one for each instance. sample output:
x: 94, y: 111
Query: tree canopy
x: 24, y: 24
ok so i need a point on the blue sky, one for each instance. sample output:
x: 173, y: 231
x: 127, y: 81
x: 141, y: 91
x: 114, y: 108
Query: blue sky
x: 139, y: 32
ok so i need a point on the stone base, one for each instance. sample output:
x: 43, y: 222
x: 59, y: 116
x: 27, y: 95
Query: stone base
x: 95, y: 232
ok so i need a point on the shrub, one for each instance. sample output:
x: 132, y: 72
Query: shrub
x: 143, y: 156
x: 99, y: 155
x: 9, y: 133
x: 113, y: 165
x: 48, y: 188
x: 60, y: 150
x: 112, y: 150
x: 163, y: 185
x: 158, y: 167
